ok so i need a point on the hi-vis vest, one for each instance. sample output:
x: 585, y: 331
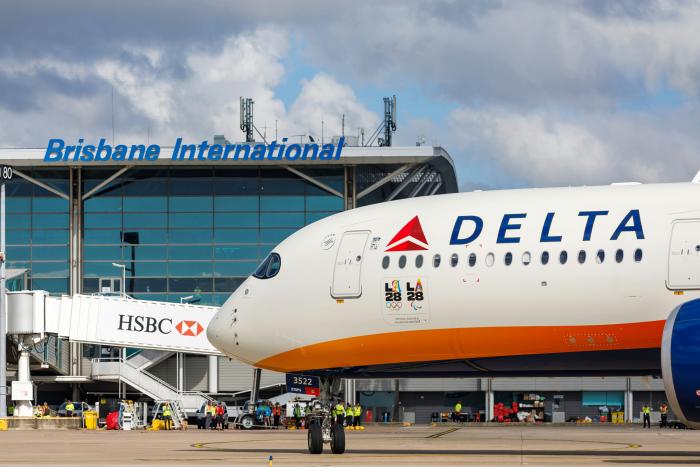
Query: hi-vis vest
x: 339, y: 409
x: 646, y: 410
x: 458, y: 407
x: 358, y: 410
x: 70, y: 407
x: 166, y: 411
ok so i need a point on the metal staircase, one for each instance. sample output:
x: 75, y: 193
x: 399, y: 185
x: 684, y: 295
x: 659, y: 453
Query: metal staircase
x: 116, y: 369
x: 147, y: 358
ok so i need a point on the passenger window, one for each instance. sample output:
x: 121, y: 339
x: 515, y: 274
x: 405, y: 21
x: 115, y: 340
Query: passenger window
x: 527, y: 258
x: 619, y: 256
x: 454, y: 259
x: 419, y: 261
x: 637, y: 255
x: 436, y: 261
x: 508, y: 258
x: 545, y: 257
x: 385, y: 262
x: 402, y: 261
x: 490, y: 258
x: 472, y: 260
x: 582, y: 256
x: 600, y: 257
x: 563, y: 256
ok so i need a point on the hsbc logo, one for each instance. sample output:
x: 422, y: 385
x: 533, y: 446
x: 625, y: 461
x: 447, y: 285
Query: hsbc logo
x: 137, y: 323
x: 409, y: 238
x: 189, y: 328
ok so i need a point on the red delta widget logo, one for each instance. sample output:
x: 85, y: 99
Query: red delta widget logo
x: 409, y: 238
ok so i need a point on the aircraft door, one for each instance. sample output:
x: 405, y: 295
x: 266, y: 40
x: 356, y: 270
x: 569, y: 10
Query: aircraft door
x: 684, y: 255
x: 347, y: 271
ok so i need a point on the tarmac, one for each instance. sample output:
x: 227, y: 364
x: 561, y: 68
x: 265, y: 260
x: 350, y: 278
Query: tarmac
x: 377, y: 445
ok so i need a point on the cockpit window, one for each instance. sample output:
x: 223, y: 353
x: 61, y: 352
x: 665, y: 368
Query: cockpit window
x: 269, y: 267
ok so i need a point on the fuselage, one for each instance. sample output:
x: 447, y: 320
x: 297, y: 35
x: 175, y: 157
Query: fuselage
x: 536, y: 281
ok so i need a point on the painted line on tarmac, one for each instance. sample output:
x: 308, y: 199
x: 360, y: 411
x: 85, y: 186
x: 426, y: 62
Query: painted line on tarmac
x: 443, y: 433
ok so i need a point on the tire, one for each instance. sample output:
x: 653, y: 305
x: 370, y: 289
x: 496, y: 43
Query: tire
x: 247, y: 422
x: 337, y: 440
x: 315, y: 439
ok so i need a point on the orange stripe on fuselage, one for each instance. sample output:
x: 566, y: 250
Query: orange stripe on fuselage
x: 454, y: 344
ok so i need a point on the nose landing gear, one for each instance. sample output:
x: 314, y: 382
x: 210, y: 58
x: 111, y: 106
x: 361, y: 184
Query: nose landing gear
x: 322, y: 427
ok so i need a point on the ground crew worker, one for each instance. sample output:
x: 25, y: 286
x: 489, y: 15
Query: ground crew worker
x: 350, y: 415
x: 664, y: 414
x: 276, y: 413
x: 207, y: 416
x: 457, y: 414
x: 167, y: 417
x: 69, y: 408
x: 297, y: 415
x: 212, y: 411
x: 339, y: 413
x: 357, y: 411
x: 646, y: 412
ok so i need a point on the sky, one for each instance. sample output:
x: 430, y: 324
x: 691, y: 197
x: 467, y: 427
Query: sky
x: 522, y: 93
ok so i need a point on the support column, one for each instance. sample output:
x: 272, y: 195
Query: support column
x: 23, y: 408
x: 487, y: 387
x: 255, y: 390
x: 76, y: 281
x: 349, y: 391
x: 629, y: 401
x: 350, y: 195
x: 213, y: 374
x: 180, y: 370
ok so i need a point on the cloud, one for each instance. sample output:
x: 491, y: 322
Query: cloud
x: 196, y: 100
x: 548, y: 149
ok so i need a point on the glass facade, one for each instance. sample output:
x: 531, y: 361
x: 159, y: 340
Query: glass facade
x: 38, y: 230
x: 189, y: 232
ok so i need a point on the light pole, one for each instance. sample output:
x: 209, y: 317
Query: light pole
x: 122, y: 386
x: 123, y: 284
x: 179, y: 358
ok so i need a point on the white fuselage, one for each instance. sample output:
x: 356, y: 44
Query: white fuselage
x: 333, y: 303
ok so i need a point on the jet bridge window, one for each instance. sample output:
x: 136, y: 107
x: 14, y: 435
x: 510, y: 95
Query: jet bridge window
x: 269, y: 267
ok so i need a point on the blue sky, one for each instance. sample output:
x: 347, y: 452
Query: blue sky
x: 528, y: 93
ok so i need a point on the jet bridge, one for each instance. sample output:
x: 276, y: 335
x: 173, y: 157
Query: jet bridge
x: 115, y: 321
x: 106, y: 320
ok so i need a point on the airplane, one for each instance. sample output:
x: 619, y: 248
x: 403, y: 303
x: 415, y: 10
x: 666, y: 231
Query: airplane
x: 601, y: 280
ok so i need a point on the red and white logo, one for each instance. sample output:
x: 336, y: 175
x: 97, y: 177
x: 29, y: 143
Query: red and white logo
x: 409, y: 238
x: 189, y: 328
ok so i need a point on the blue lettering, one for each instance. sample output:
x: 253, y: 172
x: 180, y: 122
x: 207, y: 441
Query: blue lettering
x: 88, y: 153
x: 478, y: 227
x: 292, y: 152
x: 589, y: 223
x: 636, y: 226
x: 53, y: 151
x: 546, y: 237
x: 104, y: 151
x: 506, y: 226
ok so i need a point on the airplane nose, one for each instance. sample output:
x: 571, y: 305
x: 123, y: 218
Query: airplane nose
x: 220, y: 331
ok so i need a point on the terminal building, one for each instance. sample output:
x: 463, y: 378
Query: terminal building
x: 191, y: 232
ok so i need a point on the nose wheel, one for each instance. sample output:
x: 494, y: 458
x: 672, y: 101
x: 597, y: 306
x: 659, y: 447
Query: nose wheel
x: 321, y: 423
